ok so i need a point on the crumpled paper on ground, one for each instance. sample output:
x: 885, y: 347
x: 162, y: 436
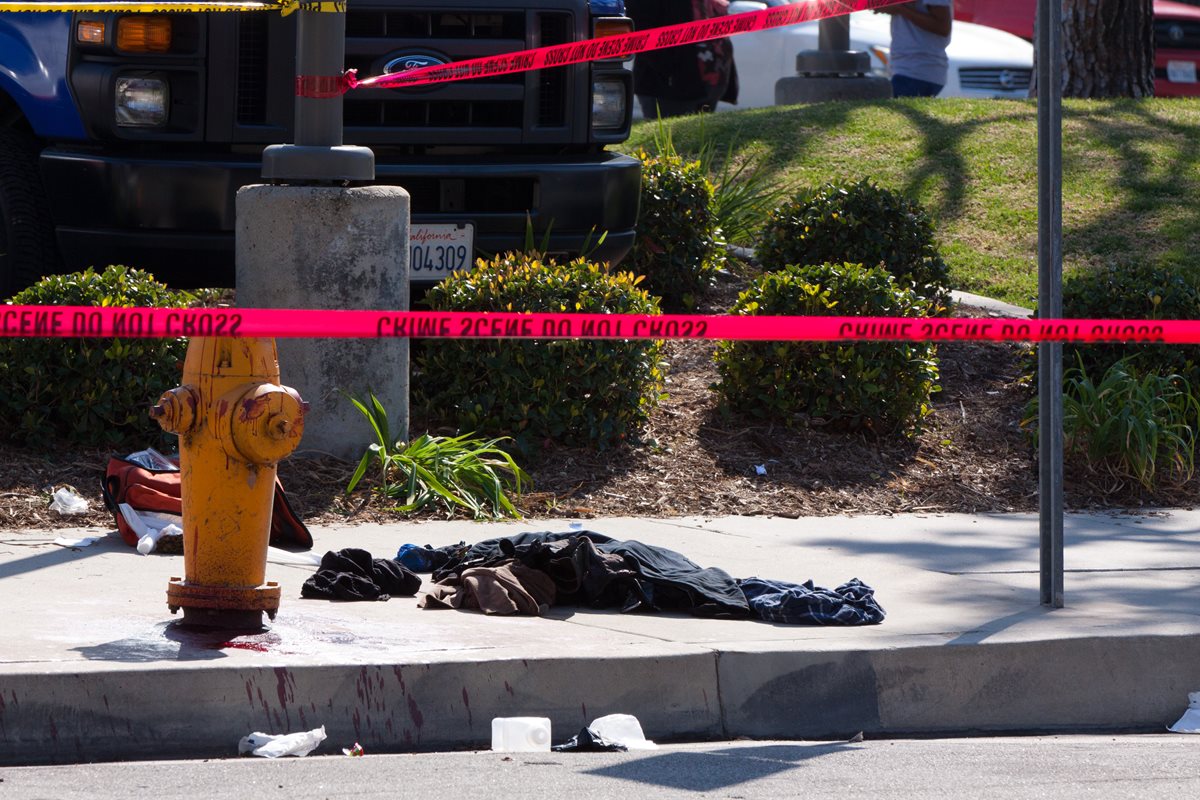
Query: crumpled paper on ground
x: 1190, y: 721
x: 272, y: 745
x: 84, y: 541
x: 67, y: 501
x: 615, y: 732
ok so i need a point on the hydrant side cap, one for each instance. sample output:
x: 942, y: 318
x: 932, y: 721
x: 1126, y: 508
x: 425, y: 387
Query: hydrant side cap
x: 267, y: 423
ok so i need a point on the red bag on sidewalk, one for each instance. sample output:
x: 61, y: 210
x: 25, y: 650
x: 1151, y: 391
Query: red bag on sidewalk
x: 160, y: 490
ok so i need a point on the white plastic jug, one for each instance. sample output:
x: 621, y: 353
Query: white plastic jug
x: 521, y: 734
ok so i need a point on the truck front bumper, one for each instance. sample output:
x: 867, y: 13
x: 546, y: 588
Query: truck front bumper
x: 175, y: 217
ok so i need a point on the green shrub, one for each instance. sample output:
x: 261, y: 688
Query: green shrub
x: 744, y: 189
x: 678, y: 246
x: 90, y: 391
x: 1136, y: 429
x: 880, y: 388
x: 1138, y: 292
x: 858, y: 223
x: 571, y: 391
x: 455, y: 472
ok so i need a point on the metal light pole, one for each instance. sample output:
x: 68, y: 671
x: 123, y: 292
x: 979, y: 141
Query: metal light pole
x: 1050, y: 305
x: 318, y: 154
x: 833, y: 33
x: 316, y: 235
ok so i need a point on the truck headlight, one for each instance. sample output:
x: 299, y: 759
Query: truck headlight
x: 608, y: 104
x: 141, y: 102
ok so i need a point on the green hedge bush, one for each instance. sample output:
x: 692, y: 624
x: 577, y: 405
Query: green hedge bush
x: 858, y: 223
x: 880, y: 388
x: 678, y: 247
x: 1130, y: 429
x: 1133, y: 292
x: 571, y: 391
x: 92, y: 391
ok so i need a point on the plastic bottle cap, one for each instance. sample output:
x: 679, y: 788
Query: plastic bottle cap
x: 539, y: 736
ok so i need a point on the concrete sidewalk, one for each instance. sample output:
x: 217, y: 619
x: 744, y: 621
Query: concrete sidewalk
x: 92, y: 668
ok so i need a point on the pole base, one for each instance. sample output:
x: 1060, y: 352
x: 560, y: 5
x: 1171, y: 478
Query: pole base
x: 798, y: 89
x: 294, y: 163
x: 221, y: 605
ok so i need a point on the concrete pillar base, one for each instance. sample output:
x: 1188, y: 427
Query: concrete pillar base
x: 331, y: 248
x: 816, y: 89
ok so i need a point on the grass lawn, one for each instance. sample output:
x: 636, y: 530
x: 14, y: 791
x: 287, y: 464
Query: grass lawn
x: 1131, y: 171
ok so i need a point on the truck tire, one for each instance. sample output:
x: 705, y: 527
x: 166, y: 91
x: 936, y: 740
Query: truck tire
x: 27, y: 246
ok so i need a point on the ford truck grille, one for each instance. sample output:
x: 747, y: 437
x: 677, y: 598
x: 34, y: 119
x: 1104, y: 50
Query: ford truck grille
x: 252, y: 70
x: 504, y: 104
x: 525, y: 108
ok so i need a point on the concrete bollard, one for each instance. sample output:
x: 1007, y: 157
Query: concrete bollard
x: 339, y: 248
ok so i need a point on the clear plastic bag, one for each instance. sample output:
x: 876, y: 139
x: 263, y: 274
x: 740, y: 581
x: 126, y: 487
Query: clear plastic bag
x: 1190, y: 721
x: 272, y: 745
x: 622, y: 729
x: 67, y: 501
x: 152, y: 459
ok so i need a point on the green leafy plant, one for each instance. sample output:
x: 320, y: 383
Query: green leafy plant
x: 576, y: 392
x: 541, y: 249
x: 455, y: 472
x: 744, y: 190
x: 873, y: 387
x: 90, y: 391
x: 1134, y: 292
x: 859, y: 223
x: 678, y: 247
x: 1137, y: 429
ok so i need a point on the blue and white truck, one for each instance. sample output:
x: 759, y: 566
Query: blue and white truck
x: 124, y: 137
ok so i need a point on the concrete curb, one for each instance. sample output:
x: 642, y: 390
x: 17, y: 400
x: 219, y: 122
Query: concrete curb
x: 1093, y: 684
x: 93, y: 668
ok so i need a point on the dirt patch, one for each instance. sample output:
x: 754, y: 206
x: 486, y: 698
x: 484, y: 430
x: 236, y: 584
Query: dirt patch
x: 973, y: 456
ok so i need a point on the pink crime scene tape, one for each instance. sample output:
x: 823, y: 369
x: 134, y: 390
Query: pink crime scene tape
x: 77, y: 321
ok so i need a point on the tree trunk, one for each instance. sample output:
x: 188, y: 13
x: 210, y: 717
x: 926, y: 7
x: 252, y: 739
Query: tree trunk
x: 1108, y: 48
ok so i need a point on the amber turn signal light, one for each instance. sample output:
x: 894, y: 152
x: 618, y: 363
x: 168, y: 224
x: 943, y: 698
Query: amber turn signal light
x: 141, y: 34
x: 611, y: 26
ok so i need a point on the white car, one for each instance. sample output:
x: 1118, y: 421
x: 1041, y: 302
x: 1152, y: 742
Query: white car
x: 984, y: 62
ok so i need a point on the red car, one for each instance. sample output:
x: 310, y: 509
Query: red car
x: 1176, y: 36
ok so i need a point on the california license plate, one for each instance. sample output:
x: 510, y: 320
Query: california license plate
x: 434, y: 251
x: 1181, y: 71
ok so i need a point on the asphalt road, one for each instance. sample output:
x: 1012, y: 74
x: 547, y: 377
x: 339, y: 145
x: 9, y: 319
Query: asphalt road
x: 1061, y: 767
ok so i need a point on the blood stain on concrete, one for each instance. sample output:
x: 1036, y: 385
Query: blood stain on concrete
x: 417, y: 717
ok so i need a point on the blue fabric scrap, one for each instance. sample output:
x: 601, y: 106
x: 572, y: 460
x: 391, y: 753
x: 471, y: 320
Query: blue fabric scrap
x: 852, y: 603
x: 415, y: 557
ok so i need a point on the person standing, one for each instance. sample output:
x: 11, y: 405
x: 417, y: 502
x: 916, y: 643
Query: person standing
x: 687, y: 79
x: 920, y: 35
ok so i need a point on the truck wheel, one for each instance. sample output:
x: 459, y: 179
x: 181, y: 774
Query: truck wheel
x: 27, y: 246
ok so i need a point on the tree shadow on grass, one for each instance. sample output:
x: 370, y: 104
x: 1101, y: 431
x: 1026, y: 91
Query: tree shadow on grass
x: 1155, y: 219
x: 941, y: 139
x: 942, y: 159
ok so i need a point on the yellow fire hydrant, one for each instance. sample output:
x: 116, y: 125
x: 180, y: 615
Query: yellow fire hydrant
x: 235, y: 422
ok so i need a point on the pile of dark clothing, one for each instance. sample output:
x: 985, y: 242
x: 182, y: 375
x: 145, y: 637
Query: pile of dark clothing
x: 353, y: 574
x: 529, y: 572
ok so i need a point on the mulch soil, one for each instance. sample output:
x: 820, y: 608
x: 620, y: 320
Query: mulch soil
x: 972, y: 456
